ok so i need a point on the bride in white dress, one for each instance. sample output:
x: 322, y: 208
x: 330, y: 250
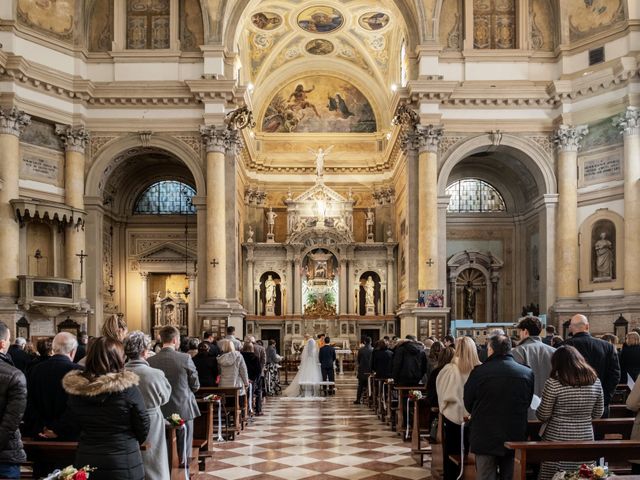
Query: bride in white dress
x: 309, y: 371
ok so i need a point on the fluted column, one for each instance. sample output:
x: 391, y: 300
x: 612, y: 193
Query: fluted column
x: 191, y: 313
x: 250, y: 295
x: 145, y: 325
x: 12, y: 123
x: 218, y: 141
x: 343, y: 307
x: 291, y: 285
x: 629, y: 124
x: 568, y: 140
x: 297, y: 296
x: 428, y: 139
x: 391, y: 285
x: 74, y: 140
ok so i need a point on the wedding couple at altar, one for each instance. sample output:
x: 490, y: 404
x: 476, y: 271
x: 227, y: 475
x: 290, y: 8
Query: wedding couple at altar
x: 317, y: 365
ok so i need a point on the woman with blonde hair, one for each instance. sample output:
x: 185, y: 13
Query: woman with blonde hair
x: 233, y: 370
x: 115, y: 327
x: 450, y: 389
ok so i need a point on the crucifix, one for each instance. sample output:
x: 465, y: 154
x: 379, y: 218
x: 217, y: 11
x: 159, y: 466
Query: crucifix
x: 430, y: 263
x: 215, y: 262
x: 82, y: 256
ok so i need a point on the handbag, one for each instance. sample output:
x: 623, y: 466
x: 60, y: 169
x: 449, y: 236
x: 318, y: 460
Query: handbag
x: 433, y: 430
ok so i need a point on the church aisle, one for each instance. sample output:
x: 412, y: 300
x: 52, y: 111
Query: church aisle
x: 315, y: 440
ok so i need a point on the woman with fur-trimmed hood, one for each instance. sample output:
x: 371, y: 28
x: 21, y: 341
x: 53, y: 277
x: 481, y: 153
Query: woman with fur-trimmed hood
x: 105, y: 402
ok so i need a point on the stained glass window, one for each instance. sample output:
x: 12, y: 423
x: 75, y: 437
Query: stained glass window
x: 473, y: 195
x: 166, y: 198
x: 148, y: 24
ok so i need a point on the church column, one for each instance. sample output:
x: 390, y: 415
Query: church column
x: 75, y: 141
x: 391, y: 285
x: 249, y: 282
x: 343, y: 287
x: 568, y: 140
x: 217, y: 142
x: 546, y: 251
x: 12, y: 123
x: 191, y: 313
x: 428, y: 139
x: 291, y: 285
x: 144, y: 311
x: 297, y: 297
x: 629, y: 124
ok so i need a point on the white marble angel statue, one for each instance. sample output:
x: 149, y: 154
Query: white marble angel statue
x: 320, y: 154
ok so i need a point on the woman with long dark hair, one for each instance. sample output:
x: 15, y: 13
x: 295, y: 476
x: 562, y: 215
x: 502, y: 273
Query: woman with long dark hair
x: 109, y: 410
x: 571, y: 399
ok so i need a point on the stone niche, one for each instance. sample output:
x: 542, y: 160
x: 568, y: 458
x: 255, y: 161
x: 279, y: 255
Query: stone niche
x: 601, y: 252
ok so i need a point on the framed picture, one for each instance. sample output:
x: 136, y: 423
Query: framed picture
x: 249, y: 328
x: 296, y: 329
x: 434, y: 298
x: 352, y: 329
x: 422, y: 298
x: 343, y: 328
x: 22, y: 328
x: 390, y: 328
x: 289, y: 329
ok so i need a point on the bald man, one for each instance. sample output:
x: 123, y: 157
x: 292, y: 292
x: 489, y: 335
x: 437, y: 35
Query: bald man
x: 601, y: 355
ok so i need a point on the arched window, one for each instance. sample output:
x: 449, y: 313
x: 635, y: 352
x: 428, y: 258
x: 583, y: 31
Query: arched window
x: 474, y: 195
x: 166, y: 198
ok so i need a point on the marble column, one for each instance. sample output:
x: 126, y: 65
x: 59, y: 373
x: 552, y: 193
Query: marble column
x: 391, y: 286
x: 12, y: 123
x: 343, y: 307
x: 145, y: 324
x: 410, y: 144
x: 250, y: 294
x: 568, y: 140
x: 218, y: 141
x: 297, y: 296
x: 193, y: 301
x: 428, y: 139
x: 74, y: 140
x: 546, y: 208
x: 629, y: 124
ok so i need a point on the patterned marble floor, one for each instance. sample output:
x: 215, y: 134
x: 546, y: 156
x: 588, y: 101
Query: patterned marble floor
x: 315, y: 440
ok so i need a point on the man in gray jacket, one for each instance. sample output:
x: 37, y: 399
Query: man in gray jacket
x: 183, y: 377
x: 13, y: 402
x: 534, y: 353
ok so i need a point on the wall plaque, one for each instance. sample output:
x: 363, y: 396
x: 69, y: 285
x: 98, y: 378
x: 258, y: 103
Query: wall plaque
x: 601, y: 168
x: 41, y: 165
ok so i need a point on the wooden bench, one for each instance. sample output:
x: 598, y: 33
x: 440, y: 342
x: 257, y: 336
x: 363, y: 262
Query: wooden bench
x: 620, y: 411
x: 178, y: 473
x: 422, y: 418
x: 403, y: 393
x: 231, y: 402
x: 537, y: 452
x: 203, y: 426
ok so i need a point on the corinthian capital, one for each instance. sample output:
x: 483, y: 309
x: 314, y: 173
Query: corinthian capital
x: 74, y: 139
x: 629, y: 122
x: 220, y: 140
x: 568, y: 138
x: 429, y: 138
x: 13, y: 121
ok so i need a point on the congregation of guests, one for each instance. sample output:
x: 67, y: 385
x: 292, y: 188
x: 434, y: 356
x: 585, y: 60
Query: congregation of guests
x: 113, y: 393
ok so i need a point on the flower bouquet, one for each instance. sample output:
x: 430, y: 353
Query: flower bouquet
x: 71, y: 473
x: 212, y: 398
x: 176, y: 420
x: 415, y: 395
x: 591, y: 472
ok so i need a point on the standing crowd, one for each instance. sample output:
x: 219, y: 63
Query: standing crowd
x: 487, y: 393
x: 115, y: 392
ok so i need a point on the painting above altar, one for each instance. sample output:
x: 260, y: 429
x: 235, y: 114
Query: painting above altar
x: 320, y: 288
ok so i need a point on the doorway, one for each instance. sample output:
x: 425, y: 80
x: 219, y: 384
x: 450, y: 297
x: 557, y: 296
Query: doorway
x: 374, y: 333
x: 267, y: 334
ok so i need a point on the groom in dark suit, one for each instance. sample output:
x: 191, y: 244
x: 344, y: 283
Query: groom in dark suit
x: 327, y: 358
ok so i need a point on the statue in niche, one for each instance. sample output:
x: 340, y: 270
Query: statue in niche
x: 469, y: 292
x: 170, y: 315
x: 320, y: 154
x: 369, y: 287
x: 271, y: 219
x: 604, y: 259
x: 270, y: 290
x: 370, y: 221
x: 250, y: 235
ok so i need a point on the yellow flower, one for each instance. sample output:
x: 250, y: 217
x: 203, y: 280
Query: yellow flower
x: 598, y: 472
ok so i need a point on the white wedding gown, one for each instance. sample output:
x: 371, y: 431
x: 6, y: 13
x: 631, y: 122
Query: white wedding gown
x: 309, y: 371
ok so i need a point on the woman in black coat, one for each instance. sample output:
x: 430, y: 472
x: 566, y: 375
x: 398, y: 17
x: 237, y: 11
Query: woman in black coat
x: 381, y: 360
x: 105, y: 402
x: 630, y: 357
x: 206, y: 365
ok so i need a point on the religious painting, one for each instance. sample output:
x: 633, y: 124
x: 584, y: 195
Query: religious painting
x: 373, y: 20
x: 588, y: 17
x: 434, y: 298
x: 52, y: 289
x: 323, y: 104
x: 296, y: 329
x: 289, y: 328
x: 22, y: 328
x: 319, y: 46
x: 343, y: 328
x: 148, y: 24
x: 320, y: 289
x: 603, y: 253
x: 352, y: 329
x: 54, y: 17
x: 249, y: 328
x: 320, y: 19
x: 266, y: 20
x: 494, y: 24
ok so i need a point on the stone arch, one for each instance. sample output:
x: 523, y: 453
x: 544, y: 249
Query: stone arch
x: 123, y: 147
x: 537, y: 160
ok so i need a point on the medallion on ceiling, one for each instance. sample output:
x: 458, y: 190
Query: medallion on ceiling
x: 319, y: 46
x: 374, y: 21
x: 320, y: 19
x: 266, y: 20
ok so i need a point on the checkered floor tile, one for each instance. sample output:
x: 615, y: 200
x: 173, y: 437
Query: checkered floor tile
x: 331, y: 439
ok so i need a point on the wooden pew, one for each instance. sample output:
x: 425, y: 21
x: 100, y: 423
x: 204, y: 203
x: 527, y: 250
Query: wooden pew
x: 231, y: 396
x: 203, y: 425
x: 177, y: 473
x: 403, y: 393
x: 620, y: 411
x: 537, y: 452
x: 422, y: 417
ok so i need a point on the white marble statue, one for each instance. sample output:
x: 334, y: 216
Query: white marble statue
x: 320, y: 154
x: 370, y: 221
x: 604, y: 257
x: 250, y: 234
x: 270, y: 291
x: 369, y: 287
x: 271, y: 219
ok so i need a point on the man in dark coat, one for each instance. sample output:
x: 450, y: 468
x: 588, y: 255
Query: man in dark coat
x: 498, y: 394
x: 327, y: 357
x: 47, y: 400
x: 409, y: 362
x: 601, y: 355
x: 13, y: 401
x: 19, y: 357
x: 364, y: 367
x: 81, y: 351
x: 183, y: 376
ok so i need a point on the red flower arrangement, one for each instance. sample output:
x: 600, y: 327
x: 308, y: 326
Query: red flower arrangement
x: 176, y: 420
